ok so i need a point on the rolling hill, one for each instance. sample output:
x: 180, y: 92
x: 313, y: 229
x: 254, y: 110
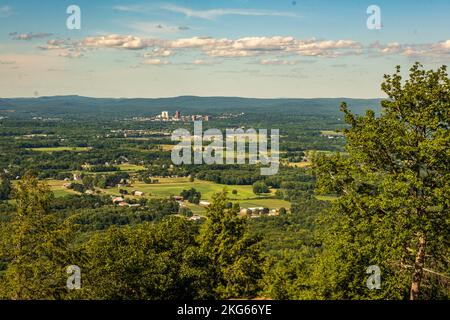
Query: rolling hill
x: 78, y: 106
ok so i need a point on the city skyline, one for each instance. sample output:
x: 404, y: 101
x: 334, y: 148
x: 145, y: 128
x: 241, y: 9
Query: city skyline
x: 247, y: 48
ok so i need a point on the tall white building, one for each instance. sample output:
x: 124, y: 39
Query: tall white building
x: 165, y: 115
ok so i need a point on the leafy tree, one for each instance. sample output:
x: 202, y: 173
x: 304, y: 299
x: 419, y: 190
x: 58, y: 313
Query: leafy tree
x: 78, y: 187
x: 37, y: 247
x: 5, y: 188
x: 192, y: 195
x: 394, y: 188
x: 287, y: 277
x: 184, y: 211
x: 235, y: 256
x: 260, y: 187
x: 88, y: 181
x: 147, y: 261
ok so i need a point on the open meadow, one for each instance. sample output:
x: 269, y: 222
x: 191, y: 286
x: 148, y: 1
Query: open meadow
x: 167, y: 187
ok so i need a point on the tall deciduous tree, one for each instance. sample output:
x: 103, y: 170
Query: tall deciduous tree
x: 147, y: 261
x: 234, y: 256
x: 394, y: 189
x: 37, y: 247
x: 5, y: 188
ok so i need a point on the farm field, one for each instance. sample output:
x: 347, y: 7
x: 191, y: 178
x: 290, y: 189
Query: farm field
x: 303, y: 164
x: 125, y: 167
x: 174, y: 186
x: 331, y: 133
x: 58, y: 189
x: 56, y: 186
x: 309, y: 156
x: 196, y: 209
x: 59, y: 149
x: 166, y: 147
x: 128, y: 167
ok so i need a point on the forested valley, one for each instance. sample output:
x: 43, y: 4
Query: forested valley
x: 357, y: 187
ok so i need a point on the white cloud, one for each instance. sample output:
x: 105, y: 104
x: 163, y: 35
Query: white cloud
x: 326, y: 48
x: 215, y: 13
x: 31, y: 36
x: 210, y: 14
x: 445, y: 45
x: 117, y: 41
x: 158, y: 52
x: 439, y: 50
x: 271, y: 50
x: 56, y: 44
x: 254, y: 46
x: 264, y: 43
x: 227, y: 48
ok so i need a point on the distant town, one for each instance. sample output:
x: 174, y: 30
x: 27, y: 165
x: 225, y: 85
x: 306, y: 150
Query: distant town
x: 179, y: 117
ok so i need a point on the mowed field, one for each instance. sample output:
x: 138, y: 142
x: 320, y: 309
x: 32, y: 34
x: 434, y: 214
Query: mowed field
x: 303, y: 164
x: 309, y: 156
x: 331, y: 133
x: 128, y: 167
x: 58, y: 189
x: 174, y: 186
x: 56, y: 186
x: 167, y: 187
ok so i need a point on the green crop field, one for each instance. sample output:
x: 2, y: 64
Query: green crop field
x: 167, y: 187
x: 331, y: 133
x: 196, y: 209
x: 130, y: 167
x: 58, y: 189
x: 173, y: 186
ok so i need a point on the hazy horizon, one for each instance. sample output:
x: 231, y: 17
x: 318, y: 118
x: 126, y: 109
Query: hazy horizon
x: 194, y: 96
x: 261, y: 49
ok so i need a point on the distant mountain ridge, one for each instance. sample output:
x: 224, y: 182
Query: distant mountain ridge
x: 79, y: 106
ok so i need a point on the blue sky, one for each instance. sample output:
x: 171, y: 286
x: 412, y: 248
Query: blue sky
x: 251, y: 48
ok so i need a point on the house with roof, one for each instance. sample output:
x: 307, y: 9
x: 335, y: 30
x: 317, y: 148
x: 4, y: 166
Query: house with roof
x: 117, y: 199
